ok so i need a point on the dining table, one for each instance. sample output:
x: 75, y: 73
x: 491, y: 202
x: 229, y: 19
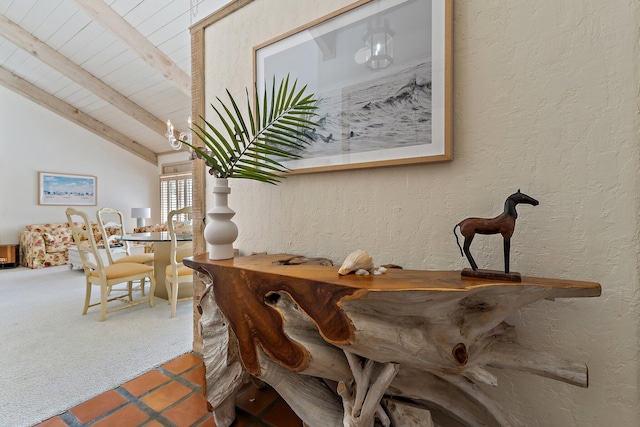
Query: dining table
x: 161, y: 257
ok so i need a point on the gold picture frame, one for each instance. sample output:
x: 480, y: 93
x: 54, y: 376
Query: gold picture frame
x: 382, y: 71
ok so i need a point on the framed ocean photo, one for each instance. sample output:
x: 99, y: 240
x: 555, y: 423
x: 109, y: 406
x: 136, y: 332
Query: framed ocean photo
x: 60, y: 189
x: 381, y: 71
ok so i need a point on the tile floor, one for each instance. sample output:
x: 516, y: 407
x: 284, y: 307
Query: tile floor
x: 171, y: 396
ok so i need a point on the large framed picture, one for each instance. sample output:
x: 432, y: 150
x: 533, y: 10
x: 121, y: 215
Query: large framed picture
x: 381, y: 71
x: 67, y: 190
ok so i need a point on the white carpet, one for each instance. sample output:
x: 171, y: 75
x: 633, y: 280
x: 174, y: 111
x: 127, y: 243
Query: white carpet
x: 53, y: 358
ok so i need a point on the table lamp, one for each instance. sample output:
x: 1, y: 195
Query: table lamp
x: 141, y: 214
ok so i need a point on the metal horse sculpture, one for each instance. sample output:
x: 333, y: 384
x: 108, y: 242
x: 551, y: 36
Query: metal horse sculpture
x: 504, y: 224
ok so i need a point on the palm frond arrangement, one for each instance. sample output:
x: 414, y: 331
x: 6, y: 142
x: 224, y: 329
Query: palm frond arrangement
x: 279, y: 128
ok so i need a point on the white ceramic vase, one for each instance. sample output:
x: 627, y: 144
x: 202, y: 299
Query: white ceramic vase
x: 220, y: 232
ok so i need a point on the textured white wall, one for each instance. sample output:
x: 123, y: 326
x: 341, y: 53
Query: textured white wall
x: 545, y: 99
x: 36, y: 139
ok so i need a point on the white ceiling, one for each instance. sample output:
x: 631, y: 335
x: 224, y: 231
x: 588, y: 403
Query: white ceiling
x: 73, y: 55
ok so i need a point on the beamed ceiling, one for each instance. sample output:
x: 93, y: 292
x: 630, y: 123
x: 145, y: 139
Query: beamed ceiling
x: 119, y: 68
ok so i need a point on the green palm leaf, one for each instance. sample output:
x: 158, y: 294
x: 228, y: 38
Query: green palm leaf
x: 248, y: 147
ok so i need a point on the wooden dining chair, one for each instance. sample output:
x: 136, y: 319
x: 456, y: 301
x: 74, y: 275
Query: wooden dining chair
x: 105, y: 276
x: 176, y: 272
x: 118, y: 251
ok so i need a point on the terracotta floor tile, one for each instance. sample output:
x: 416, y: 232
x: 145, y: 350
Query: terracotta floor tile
x: 281, y: 415
x: 154, y: 423
x: 182, y: 363
x: 208, y: 422
x: 146, y: 382
x: 176, y: 402
x: 52, y: 422
x: 241, y: 420
x: 254, y: 400
x: 195, y: 375
x: 92, y: 409
x: 187, y: 412
x: 166, y: 395
x: 129, y: 416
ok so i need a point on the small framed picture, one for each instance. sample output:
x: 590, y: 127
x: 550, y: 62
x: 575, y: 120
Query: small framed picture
x: 60, y: 189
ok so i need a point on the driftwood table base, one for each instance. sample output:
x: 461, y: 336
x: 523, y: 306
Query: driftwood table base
x: 406, y: 348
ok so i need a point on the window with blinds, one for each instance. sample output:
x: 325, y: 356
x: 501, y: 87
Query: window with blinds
x: 176, y: 192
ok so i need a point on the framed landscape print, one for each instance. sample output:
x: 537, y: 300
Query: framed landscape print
x: 381, y: 71
x: 67, y: 190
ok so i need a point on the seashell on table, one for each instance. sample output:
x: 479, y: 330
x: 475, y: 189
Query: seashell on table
x: 358, y: 260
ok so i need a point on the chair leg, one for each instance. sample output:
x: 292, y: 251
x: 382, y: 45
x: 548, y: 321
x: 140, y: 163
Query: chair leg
x: 152, y: 289
x: 104, y: 295
x: 174, y: 298
x: 87, y: 298
x: 142, y: 282
x: 130, y: 290
x: 168, y: 283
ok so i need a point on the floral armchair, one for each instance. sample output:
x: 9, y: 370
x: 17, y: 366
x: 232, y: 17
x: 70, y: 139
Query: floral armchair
x: 46, y: 245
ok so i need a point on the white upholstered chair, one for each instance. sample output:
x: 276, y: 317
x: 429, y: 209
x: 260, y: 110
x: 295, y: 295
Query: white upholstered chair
x: 118, y: 251
x: 105, y: 276
x: 176, y: 273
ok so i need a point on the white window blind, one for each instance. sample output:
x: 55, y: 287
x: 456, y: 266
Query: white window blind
x: 176, y: 192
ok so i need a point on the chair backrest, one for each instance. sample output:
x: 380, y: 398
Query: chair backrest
x: 179, y: 250
x: 85, y: 241
x: 114, y: 220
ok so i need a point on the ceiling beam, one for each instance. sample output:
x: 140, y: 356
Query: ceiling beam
x: 24, y: 40
x: 111, y: 21
x: 58, y: 106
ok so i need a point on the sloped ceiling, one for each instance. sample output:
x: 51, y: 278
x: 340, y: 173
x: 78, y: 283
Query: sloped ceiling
x: 120, y: 68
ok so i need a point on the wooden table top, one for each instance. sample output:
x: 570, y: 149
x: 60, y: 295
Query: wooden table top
x: 245, y: 287
x: 392, y: 280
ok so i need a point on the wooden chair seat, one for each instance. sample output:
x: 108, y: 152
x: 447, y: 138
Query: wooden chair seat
x: 182, y: 271
x: 123, y: 269
x: 136, y: 258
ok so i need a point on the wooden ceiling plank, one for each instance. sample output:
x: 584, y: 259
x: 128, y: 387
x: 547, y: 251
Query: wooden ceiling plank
x: 161, y: 20
x: 14, y: 33
x: 67, y: 90
x: 11, y: 57
x: 94, y: 46
x: 138, y: 10
x: 81, y: 40
x: 53, y: 22
x: 101, y: 57
x: 38, y: 12
x: 19, y: 9
x: 66, y: 32
x: 58, y: 106
x: 178, y: 44
x: 113, y: 22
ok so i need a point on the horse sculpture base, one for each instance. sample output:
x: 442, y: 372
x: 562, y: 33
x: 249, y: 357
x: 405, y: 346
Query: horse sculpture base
x: 491, y: 274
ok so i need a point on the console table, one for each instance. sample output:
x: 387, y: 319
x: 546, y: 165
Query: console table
x: 407, y: 347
